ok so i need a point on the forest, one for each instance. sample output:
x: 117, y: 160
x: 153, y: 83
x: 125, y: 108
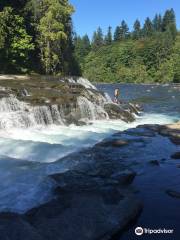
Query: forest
x: 37, y: 37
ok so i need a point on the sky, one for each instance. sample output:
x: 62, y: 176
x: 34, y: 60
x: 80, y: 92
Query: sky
x: 90, y: 14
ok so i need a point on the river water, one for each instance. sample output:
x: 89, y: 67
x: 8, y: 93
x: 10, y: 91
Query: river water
x: 28, y: 156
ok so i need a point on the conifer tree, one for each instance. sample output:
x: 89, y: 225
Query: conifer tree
x: 98, y: 39
x: 137, y: 29
x: 148, y: 28
x: 108, y: 37
x: 117, y: 34
x: 124, y: 30
x: 168, y: 18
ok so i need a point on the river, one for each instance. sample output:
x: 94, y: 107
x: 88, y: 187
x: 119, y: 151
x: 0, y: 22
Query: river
x: 28, y: 156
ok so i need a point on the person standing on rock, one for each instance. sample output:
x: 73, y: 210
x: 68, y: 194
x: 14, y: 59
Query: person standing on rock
x: 116, y: 96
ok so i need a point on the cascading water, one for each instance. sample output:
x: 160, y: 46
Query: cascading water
x: 18, y: 114
x: 30, y: 152
x: 88, y: 106
x: 91, y: 111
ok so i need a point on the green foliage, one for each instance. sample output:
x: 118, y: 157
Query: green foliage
x: 121, y: 32
x: 52, y: 35
x: 108, y: 38
x: 150, y: 54
x: 15, y: 43
x: 176, y: 60
x: 148, y: 28
x: 82, y: 48
x: 98, y: 39
x: 137, y: 30
x: 154, y: 59
x: 157, y: 23
x: 168, y: 18
x: 37, y: 35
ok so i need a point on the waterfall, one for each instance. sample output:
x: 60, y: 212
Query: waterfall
x: 108, y: 98
x: 17, y: 114
x: 90, y: 110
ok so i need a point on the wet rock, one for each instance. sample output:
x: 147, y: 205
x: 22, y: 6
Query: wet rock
x: 173, y: 193
x: 125, y: 177
x: 172, y: 131
x: 154, y: 162
x: 15, y: 227
x: 87, y: 216
x: 116, y: 111
x: 176, y: 155
x: 175, y: 140
x: 153, y: 127
x: 113, y: 143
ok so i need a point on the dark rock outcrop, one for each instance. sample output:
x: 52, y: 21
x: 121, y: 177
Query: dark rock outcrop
x: 116, y: 111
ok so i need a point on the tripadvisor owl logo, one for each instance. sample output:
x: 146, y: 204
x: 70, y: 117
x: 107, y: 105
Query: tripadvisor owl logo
x: 139, y: 231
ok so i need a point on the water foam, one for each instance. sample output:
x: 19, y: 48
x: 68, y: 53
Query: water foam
x: 28, y: 156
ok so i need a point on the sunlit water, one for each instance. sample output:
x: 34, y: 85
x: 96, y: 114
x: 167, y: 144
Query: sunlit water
x: 28, y: 156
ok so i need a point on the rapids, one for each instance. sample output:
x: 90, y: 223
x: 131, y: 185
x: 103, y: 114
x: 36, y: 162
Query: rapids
x: 31, y: 150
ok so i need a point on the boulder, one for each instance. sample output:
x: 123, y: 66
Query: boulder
x: 116, y: 111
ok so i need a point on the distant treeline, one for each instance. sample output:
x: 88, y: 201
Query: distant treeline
x: 37, y: 36
x: 148, y: 53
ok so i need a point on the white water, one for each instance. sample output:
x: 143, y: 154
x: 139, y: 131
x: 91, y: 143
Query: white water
x: 28, y: 156
x: 14, y: 113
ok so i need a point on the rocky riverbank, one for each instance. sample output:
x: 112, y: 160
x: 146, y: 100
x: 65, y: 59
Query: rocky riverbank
x: 99, y: 195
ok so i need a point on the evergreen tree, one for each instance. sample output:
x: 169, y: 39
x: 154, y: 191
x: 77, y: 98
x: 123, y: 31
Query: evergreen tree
x: 148, y: 28
x: 168, y: 18
x: 98, y: 39
x: 121, y: 32
x: 82, y: 47
x: 137, y: 29
x: 124, y: 30
x: 86, y: 44
x: 169, y: 23
x: 117, y: 34
x: 108, y: 37
x: 157, y: 23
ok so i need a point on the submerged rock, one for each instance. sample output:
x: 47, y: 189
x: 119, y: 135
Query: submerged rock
x: 154, y: 162
x: 173, y: 193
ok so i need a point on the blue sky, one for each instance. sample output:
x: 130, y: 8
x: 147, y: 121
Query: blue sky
x: 90, y: 14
